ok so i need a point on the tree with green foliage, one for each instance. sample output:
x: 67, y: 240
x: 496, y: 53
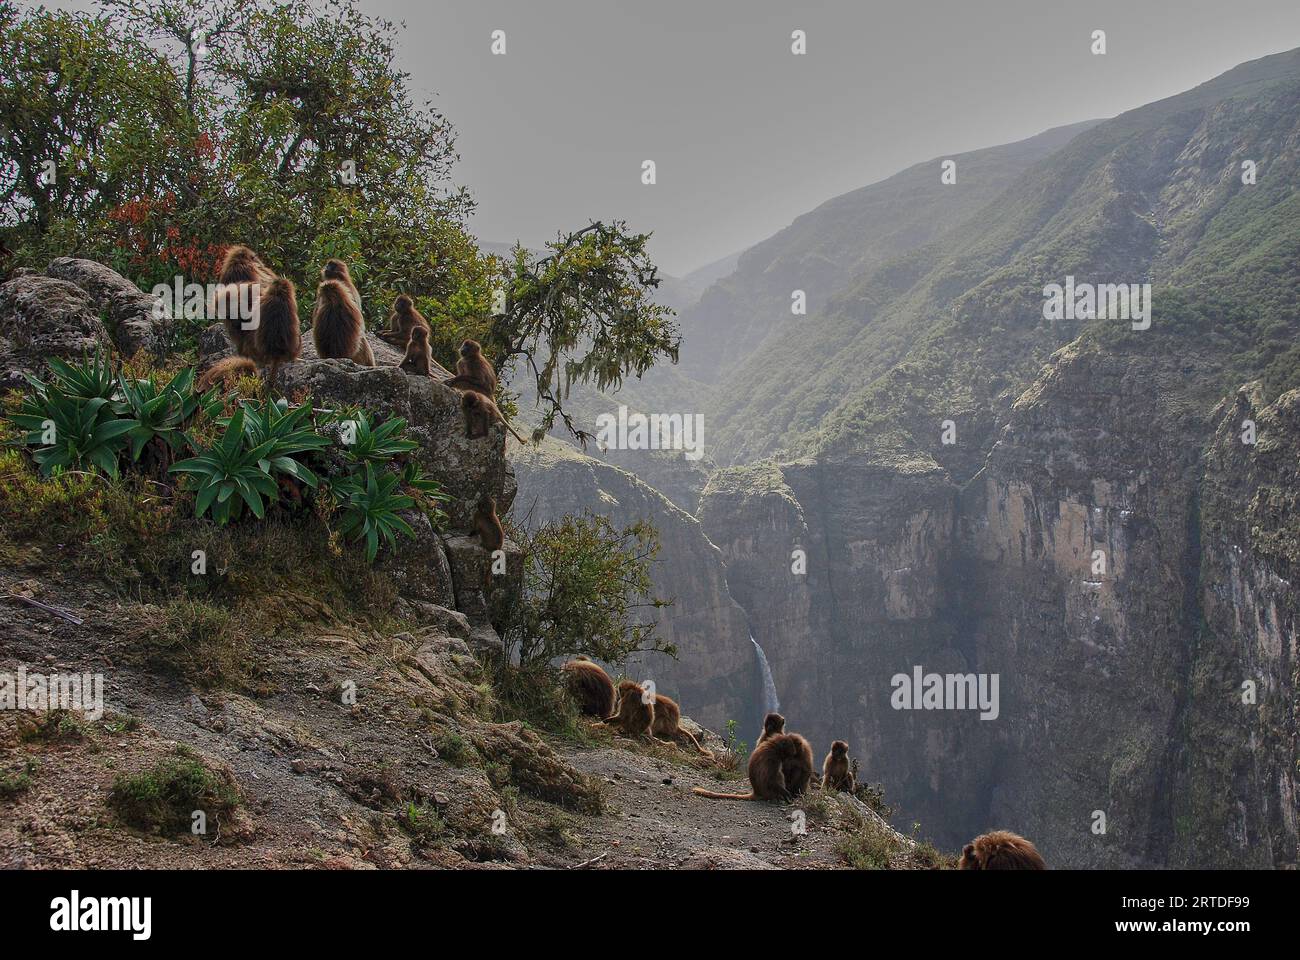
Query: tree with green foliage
x: 584, y: 313
x: 178, y: 127
x: 585, y: 585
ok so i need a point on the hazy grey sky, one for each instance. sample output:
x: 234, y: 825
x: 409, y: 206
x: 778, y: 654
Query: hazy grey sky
x: 745, y: 135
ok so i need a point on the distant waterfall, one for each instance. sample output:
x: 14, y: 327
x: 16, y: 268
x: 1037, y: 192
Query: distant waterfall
x: 771, y: 702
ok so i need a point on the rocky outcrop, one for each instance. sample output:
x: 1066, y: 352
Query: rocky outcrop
x: 42, y: 317
x: 133, y: 317
x: 714, y: 677
x: 81, y: 305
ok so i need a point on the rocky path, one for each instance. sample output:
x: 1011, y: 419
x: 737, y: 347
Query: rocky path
x: 653, y: 821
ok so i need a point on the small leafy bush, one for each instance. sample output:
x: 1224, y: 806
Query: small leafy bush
x: 370, y: 444
x: 161, y: 412
x: 164, y: 798
x: 585, y: 587
x: 422, y: 822
x: 231, y: 475
x: 868, y: 848
x: 92, y: 379
x: 71, y: 433
x: 14, y: 782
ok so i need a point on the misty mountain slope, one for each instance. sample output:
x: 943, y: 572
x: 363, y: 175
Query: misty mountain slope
x: 1100, y: 537
x: 842, y: 238
x: 962, y: 319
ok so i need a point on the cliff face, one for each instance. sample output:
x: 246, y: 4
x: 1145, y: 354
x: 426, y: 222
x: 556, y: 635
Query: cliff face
x: 1240, y: 725
x: 1088, y: 531
x: 1120, y: 585
x: 714, y: 677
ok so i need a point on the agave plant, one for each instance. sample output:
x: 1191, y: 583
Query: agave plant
x: 370, y: 509
x: 377, y: 445
x: 161, y: 412
x: 429, y: 496
x: 92, y: 379
x: 288, y: 430
x: 72, y: 433
x: 231, y: 474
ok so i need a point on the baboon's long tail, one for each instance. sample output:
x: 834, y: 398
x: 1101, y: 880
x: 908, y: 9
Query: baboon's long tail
x: 691, y: 737
x: 227, y: 369
x: 701, y: 792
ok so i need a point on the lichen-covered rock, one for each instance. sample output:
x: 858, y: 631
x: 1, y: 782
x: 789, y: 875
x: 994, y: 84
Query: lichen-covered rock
x: 40, y: 318
x: 419, y: 568
x: 466, y: 469
x: 484, y: 597
x: 132, y: 316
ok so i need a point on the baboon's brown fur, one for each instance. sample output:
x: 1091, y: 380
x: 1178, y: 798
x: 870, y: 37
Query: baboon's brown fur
x: 225, y: 372
x: 487, y: 525
x: 668, y: 723
x: 590, y: 686
x: 780, y: 769
x: 473, y: 371
x: 481, y: 410
x: 773, y: 724
x: 337, y: 328
x: 633, y: 716
x: 1000, y: 850
x: 336, y: 269
x: 279, y: 337
x: 836, y: 774
x: 418, y: 359
x: 240, y: 266
x: 403, y: 320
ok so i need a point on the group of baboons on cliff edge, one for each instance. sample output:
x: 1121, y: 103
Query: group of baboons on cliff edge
x: 780, y: 767
x: 272, y: 337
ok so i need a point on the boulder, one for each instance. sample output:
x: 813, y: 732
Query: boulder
x: 480, y: 595
x: 129, y: 313
x: 42, y: 317
x: 466, y: 469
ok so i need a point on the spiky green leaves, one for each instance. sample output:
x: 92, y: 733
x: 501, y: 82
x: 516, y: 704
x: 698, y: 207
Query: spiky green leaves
x: 371, y: 507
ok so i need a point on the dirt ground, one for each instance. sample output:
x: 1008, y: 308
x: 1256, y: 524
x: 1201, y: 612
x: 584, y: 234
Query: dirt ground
x: 414, y: 774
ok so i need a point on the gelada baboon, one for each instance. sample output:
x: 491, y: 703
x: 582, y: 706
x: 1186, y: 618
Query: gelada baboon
x: 1000, y: 850
x: 487, y: 526
x: 418, y: 359
x: 634, y: 716
x: 240, y: 267
x: 480, y: 410
x: 491, y: 535
x: 336, y: 269
x: 780, y: 769
x: 836, y: 774
x: 337, y: 328
x: 668, y: 723
x: 473, y: 371
x: 278, y: 337
x: 590, y: 686
x: 773, y: 724
x: 403, y: 320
